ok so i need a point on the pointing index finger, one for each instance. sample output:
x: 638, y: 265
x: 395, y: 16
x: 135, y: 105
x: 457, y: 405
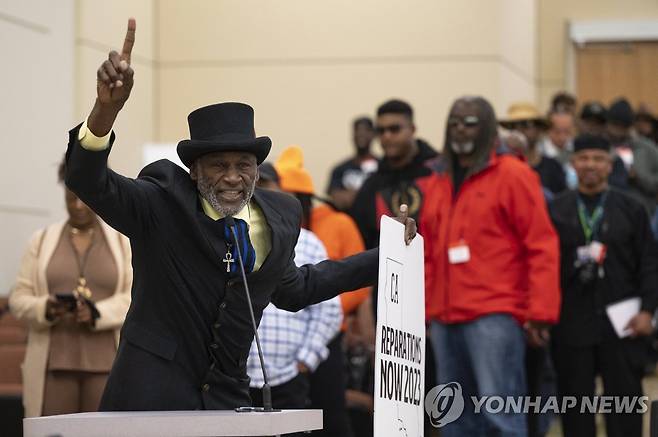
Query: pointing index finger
x: 404, y: 212
x: 129, y: 42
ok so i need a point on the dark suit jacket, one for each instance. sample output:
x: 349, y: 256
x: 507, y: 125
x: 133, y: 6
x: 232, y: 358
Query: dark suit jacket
x: 186, y: 338
x: 631, y: 267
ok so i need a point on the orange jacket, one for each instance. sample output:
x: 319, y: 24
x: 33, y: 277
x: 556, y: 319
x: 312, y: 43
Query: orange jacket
x: 341, y: 238
x: 501, y: 214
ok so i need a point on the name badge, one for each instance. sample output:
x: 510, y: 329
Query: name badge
x: 459, y: 253
x: 595, y: 251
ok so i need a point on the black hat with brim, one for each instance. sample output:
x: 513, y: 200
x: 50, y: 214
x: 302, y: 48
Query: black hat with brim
x: 621, y: 113
x: 594, y: 111
x: 224, y: 127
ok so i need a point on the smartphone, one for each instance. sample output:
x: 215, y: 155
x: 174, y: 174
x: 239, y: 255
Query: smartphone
x: 68, y: 299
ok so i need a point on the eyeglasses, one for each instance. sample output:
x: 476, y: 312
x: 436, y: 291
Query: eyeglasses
x: 468, y: 121
x: 524, y: 124
x: 394, y: 129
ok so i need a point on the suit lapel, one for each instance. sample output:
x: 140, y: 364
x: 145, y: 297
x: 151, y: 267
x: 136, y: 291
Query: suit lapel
x: 274, y: 222
x: 207, y: 229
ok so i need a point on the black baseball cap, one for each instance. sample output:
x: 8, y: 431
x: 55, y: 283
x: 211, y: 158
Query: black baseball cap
x: 594, y: 111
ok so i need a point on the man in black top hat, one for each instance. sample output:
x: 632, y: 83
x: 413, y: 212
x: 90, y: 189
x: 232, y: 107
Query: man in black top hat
x: 187, y: 335
x: 607, y: 256
x: 639, y: 154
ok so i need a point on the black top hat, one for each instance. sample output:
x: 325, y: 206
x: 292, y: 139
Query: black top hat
x: 223, y: 127
x: 621, y: 113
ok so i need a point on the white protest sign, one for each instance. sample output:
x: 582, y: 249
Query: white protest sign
x: 400, y: 344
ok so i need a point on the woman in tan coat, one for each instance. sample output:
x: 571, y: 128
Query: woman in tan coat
x: 69, y: 268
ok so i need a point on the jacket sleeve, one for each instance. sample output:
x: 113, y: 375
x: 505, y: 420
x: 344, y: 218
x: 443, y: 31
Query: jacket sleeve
x: 352, y: 244
x: 646, y: 251
x: 122, y: 202
x: 307, y: 285
x: 364, y: 214
x: 645, y: 164
x: 113, y: 309
x: 324, y: 323
x: 526, y: 210
x: 24, y: 303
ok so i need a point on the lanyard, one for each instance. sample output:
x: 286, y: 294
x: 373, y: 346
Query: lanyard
x: 590, y: 223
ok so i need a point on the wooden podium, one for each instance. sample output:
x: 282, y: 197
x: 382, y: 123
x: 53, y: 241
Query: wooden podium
x: 173, y: 424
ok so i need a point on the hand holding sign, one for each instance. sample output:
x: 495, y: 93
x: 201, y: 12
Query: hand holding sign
x: 410, y: 228
x: 400, y: 343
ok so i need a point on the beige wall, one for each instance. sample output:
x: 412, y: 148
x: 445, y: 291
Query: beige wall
x: 309, y: 67
x: 36, y: 42
x: 101, y: 27
x: 554, y: 44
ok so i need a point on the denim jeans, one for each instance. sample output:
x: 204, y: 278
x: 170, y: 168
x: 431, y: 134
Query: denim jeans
x: 486, y: 357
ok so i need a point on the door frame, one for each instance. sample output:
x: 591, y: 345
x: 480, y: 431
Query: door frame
x: 583, y: 32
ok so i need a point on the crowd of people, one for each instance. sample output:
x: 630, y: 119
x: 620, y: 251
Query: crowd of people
x: 534, y: 224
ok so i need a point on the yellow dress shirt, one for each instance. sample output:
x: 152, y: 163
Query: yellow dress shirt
x: 259, y: 230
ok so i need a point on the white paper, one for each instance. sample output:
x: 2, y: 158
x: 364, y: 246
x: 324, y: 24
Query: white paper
x: 400, y: 344
x: 621, y: 313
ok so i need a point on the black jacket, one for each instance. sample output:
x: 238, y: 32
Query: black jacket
x: 386, y: 189
x: 186, y: 338
x: 631, y: 266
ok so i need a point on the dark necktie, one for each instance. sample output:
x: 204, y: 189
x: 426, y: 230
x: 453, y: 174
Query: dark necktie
x: 246, y: 249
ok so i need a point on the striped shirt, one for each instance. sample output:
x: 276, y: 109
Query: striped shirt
x: 288, y: 338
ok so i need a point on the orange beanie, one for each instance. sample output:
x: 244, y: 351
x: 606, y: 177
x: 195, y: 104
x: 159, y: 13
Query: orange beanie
x: 293, y: 176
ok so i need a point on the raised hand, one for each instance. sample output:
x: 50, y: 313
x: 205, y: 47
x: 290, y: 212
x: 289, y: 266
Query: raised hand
x: 409, y: 224
x: 114, y: 78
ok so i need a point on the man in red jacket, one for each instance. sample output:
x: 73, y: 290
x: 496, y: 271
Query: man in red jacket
x: 492, y: 267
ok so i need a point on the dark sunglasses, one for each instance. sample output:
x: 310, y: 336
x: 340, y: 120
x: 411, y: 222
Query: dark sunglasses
x: 468, y: 121
x: 394, y: 129
x: 525, y: 124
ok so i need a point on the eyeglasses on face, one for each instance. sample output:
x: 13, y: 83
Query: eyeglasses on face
x: 392, y: 128
x: 468, y: 121
x: 523, y: 124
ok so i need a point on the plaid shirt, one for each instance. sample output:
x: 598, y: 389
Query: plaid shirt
x: 288, y: 338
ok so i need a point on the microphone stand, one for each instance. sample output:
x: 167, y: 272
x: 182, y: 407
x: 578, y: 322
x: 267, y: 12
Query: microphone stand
x: 267, y: 392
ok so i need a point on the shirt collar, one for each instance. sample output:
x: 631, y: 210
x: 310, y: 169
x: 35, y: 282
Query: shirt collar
x: 244, y: 214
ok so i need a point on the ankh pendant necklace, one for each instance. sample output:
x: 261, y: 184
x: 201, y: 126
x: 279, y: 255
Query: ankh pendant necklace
x: 82, y: 289
x: 228, y: 258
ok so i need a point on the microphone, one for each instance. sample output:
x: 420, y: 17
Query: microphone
x: 267, y: 392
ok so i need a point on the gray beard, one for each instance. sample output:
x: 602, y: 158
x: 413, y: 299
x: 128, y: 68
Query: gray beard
x: 463, y: 149
x: 207, y: 192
